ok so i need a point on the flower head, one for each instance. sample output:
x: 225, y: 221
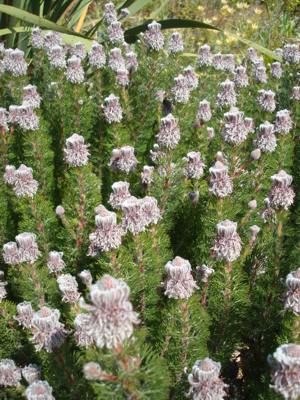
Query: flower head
x: 24, y: 314
x: 14, y: 62
x: 76, y: 151
x: 266, y: 140
x: 292, y: 295
x: 31, y: 373
x: 181, y: 90
x: 112, y: 109
x: 97, y: 56
x: 228, y: 244
x: 266, y: 100
x: 75, y: 72
x: 10, y: 374
x: 227, y: 95
x: 110, y: 319
x: 220, y: 182
x: 154, y: 37
x: 108, y: 235
x: 204, y: 56
x: 204, y: 111
x: 31, y: 96
x: 39, y: 390
x: 283, y: 123
x: 169, y: 133
x: 116, y: 60
x: 285, y: 371
x: 123, y: 159
x: 115, y: 32
x: 204, y: 380
x: 194, y: 165
x: 69, y: 287
x: 175, y: 43
x: 281, y: 194
x: 48, y: 332
x: 120, y: 193
x: 179, y: 283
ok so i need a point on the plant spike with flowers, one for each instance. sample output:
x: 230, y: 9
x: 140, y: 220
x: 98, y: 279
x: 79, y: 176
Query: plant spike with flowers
x: 150, y: 219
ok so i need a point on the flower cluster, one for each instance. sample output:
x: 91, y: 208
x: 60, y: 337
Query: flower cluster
x: 24, y: 250
x: 123, y: 159
x: 110, y: 319
x: 21, y: 180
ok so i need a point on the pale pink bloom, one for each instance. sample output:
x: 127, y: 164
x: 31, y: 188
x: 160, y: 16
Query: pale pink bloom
x: 24, y: 314
x: 204, y: 380
x: 154, y: 37
x: 48, y: 332
x: 14, y: 62
x: 281, y: 194
x: 175, y: 43
x: 10, y: 374
x: 285, y: 371
x: 39, y: 390
x: 194, y: 166
x: 76, y: 151
x: 220, y: 182
x: 228, y: 244
x: 112, y: 109
x: 97, y: 56
x: 227, y: 95
x: 31, y: 96
x: 75, y: 72
x: 28, y: 248
x: 31, y: 373
x: 123, y: 159
x: 204, y: 56
x: 108, y: 234
x: 266, y: 140
x: 110, y: 318
x: 179, y: 283
x: 120, y: 193
x: 283, y: 122
x: 292, y: 295
x: 169, y: 132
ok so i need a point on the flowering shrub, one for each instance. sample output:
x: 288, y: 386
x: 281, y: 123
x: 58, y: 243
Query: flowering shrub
x: 149, y: 220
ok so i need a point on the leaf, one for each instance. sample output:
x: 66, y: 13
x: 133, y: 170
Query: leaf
x: 131, y: 34
x: 33, y: 19
x: 78, y: 12
x: 256, y: 46
x: 17, y: 29
x: 137, y: 6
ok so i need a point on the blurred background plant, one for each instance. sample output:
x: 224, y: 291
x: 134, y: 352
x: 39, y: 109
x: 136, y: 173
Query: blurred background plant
x: 268, y: 23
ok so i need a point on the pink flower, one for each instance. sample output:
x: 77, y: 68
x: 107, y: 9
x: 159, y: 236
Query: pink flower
x: 179, y: 283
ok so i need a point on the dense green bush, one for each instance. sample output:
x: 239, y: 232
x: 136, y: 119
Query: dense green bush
x: 148, y: 220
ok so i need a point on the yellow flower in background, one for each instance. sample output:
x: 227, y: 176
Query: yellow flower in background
x: 231, y: 40
x: 249, y: 21
x: 215, y: 18
x: 240, y: 6
x: 201, y: 8
x: 258, y: 11
x: 219, y: 42
x: 254, y: 26
x: 224, y: 1
x: 207, y: 21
